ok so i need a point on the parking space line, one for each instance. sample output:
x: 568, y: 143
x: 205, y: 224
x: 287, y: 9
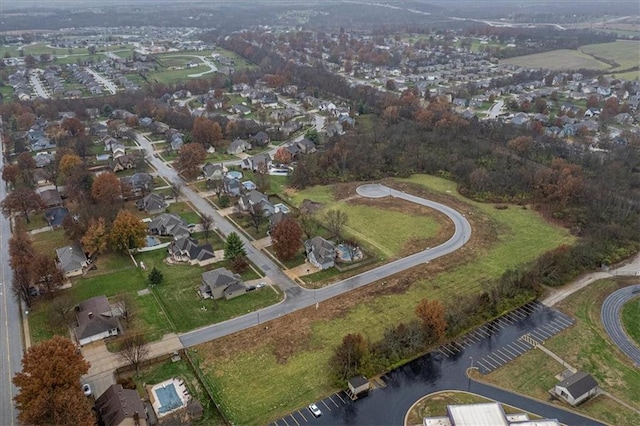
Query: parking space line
x: 538, y: 304
x: 503, y: 322
x: 479, y: 335
x: 473, y: 338
x: 518, y: 314
x: 302, y: 415
x: 481, y: 331
x: 294, y: 419
x: 343, y: 401
x: 484, y: 366
x: 545, y: 332
x: 325, y: 404
x: 504, y: 354
x: 518, y: 343
x: 511, y: 351
x: 285, y: 421
x: 495, y: 358
x: 485, y: 359
x: 440, y: 350
x: 334, y: 403
x: 550, y: 327
x: 539, y: 333
x: 563, y: 321
x: 458, y: 345
x: 506, y: 319
x: 538, y: 336
x: 444, y: 348
x: 528, y: 309
x: 519, y: 349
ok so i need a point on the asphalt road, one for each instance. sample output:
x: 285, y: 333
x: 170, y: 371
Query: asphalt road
x: 610, y: 315
x: 10, y: 322
x: 104, y: 82
x: 435, y: 372
x: 299, y: 298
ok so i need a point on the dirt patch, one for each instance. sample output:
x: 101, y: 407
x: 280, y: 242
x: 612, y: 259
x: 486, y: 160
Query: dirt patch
x: 345, y: 190
x: 310, y: 207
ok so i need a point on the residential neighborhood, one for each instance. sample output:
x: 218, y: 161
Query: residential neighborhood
x: 347, y: 204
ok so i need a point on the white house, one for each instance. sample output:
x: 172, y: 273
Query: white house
x: 576, y: 388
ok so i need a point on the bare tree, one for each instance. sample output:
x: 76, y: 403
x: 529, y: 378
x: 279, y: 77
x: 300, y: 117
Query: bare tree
x: 257, y: 215
x: 22, y: 283
x: 176, y: 190
x: 309, y: 225
x: 133, y: 349
x: 336, y: 220
x: 206, y: 222
x: 124, y: 305
x: 60, y: 311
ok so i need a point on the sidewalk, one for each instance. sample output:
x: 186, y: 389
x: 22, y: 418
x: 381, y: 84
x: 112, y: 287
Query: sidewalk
x: 103, y: 363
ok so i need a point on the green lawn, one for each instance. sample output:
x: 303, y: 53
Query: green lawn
x: 585, y: 346
x: 161, y: 372
x: 166, y: 76
x: 631, y: 319
x: 626, y: 53
x: 185, y: 211
x: 279, y: 387
x: 47, y: 242
x: 179, y: 298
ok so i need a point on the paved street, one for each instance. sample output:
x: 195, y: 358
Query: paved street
x: 104, y: 82
x: 10, y: 320
x: 440, y: 370
x: 610, y: 316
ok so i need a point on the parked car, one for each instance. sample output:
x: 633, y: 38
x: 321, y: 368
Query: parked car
x: 315, y: 410
x: 86, y: 388
x: 261, y: 284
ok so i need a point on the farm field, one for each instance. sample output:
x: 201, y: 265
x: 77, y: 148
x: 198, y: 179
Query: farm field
x: 283, y: 360
x: 558, y: 60
x: 619, y: 58
x: 586, y: 347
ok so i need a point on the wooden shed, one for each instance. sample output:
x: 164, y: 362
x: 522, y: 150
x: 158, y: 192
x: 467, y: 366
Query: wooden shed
x: 357, y: 386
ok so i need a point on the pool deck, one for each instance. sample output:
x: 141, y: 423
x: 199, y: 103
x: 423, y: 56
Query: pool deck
x: 180, y: 389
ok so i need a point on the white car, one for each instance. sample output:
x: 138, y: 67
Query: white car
x: 86, y: 389
x: 261, y: 284
x: 315, y: 410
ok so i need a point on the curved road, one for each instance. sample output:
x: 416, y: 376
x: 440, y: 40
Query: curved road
x: 610, y: 315
x: 299, y: 298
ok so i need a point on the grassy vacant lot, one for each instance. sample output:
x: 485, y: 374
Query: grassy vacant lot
x: 624, y: 53
x: 587, y: 347
x: 161, y: 372
x: 388, y: 228
x: 631, y: 319
x: 289, y: 363
x: 557, y: 60
x: 435, y: 405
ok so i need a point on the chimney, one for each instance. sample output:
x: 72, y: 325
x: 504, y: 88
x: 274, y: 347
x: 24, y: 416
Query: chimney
x: 136, y: 419
x: 90, y: 315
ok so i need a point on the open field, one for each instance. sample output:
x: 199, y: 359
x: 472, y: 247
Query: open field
x: 436, y: 405
x: 288, y: 363
x: 631, y: 319
x: 558, y: 60
x: 586, y: 347
x: 175, y: 76
x: 624, y: 53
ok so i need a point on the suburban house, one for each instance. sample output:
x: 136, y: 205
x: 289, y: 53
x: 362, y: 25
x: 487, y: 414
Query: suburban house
x: 276, y: 218
x: 576, y: 388
x: 55, y: 215
x: 221, y: 283
x: 118, y: 406
x: 51, y: 198
x: 186, y: 249
x: 72, y: 260
x: 306, y: 146
x: 238, y: 146
x: 152, y: 203
x: 231, y: 186
x: 320, y: 252
x: 123, y: 162
x: 260, y: 139
x: 169, y: 224
x: 253, y: 163
x: 334, y: 129
x: 139, y: 183
x: 213, y: 171
x: 255, y: 199
x: 97, y: 320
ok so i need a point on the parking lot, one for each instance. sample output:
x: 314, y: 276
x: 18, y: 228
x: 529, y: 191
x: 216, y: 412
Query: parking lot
x: 303, y: 415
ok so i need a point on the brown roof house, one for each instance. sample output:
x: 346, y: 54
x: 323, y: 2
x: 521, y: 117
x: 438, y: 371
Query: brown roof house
x: 320, y: 252
x: 221, y: 283
x: 96, y: 319
x: 72, y: 260
x: 120, y: 407
x: 576, y: 388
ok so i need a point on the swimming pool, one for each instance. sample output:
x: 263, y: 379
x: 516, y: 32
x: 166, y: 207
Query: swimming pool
x: 168, y: 398
x: 152, y: 241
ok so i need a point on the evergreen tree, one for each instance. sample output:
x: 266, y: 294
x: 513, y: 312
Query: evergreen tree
x: 234, y: 247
